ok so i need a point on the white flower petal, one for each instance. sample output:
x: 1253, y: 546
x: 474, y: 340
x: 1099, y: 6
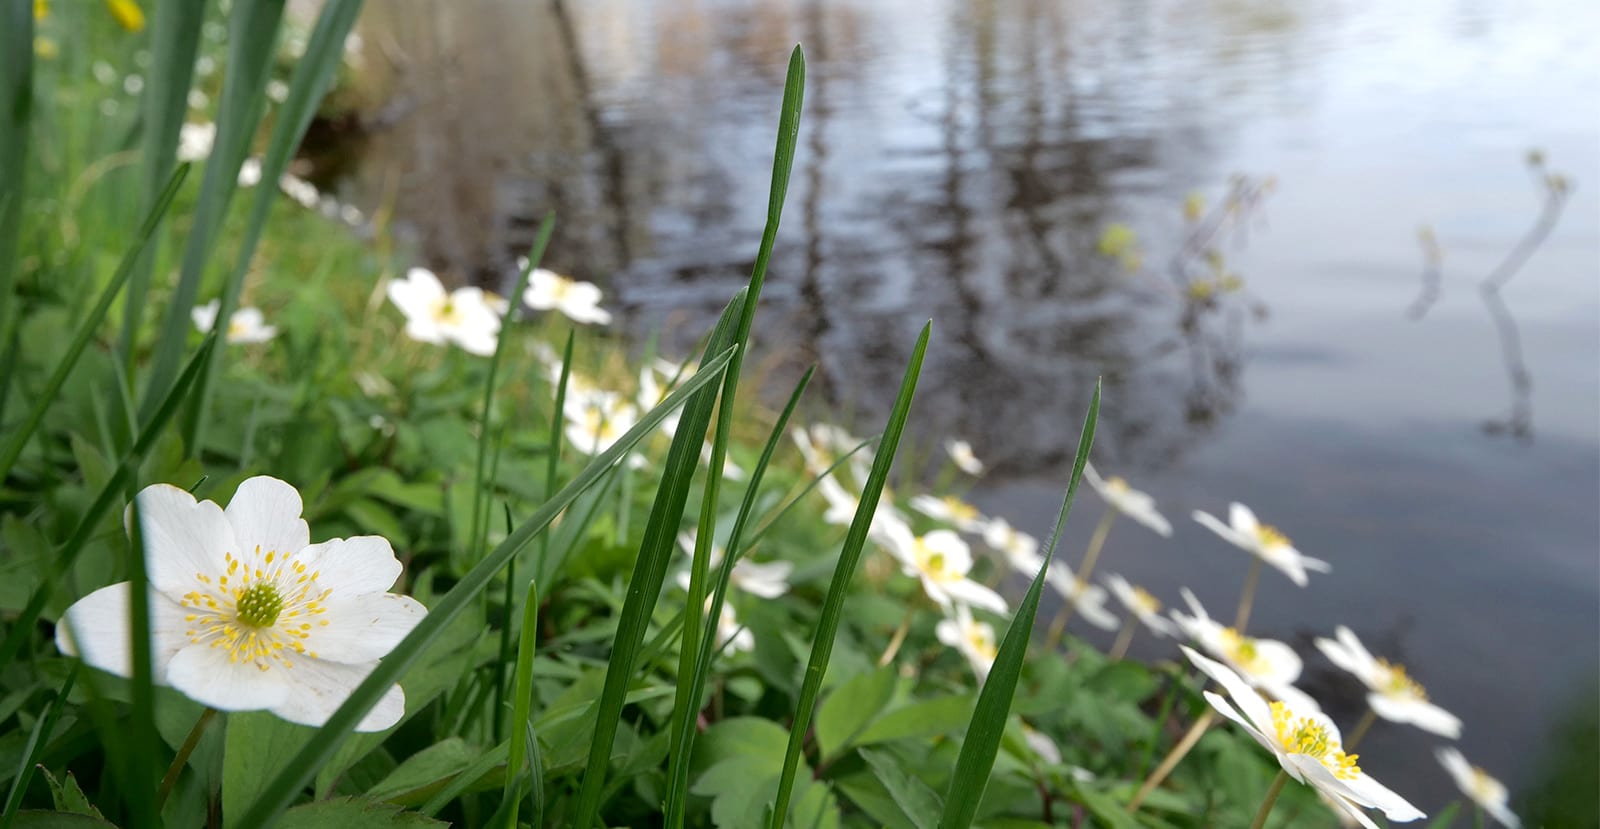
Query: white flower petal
x: 972, y: 593
x: 207, y: 675
x: 95, y: 629
x: 265, y: 515
x: 1227, y: 709
x: 183, y: 538
x: 1242, y: 519
x: 353, y: 566
x: 205, y: 316
x: 1418, y: 712
x: 1228, y: 534
x: 1250, y: 703
x: 361, y: 628
x: 318, y: 688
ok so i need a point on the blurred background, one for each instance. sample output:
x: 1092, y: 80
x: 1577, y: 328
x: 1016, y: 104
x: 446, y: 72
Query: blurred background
x: 1338, y: 260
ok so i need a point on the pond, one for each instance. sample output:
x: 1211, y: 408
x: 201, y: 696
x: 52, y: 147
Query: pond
x: 962, y: 161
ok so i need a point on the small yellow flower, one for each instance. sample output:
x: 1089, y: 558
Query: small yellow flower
x: 127, y: 13
x: 41, y: 9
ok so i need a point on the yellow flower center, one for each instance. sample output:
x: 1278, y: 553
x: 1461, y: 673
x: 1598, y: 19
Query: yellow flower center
x: 1243, y: 652
x: 235, y: 329
x: 1271, y: 537
x: 960, y: 510
x: 1306, y: 736
x: 982, y: 643
x: 1484, y: 787
x: 447, y: 313
x: 560, y: 287
x: 1117, y: 484
x: 1396, y: 683
x: 260, y: 613
x: 1144, y: 601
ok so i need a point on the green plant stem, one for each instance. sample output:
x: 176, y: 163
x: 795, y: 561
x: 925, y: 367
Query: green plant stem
x: 1477, y: 816
x: 1360, y: 730
x: 1271, y: 798
x: 178, y: 762
x: 1248, y: 597
x: 1119, y: 648
x: 1172, y: 759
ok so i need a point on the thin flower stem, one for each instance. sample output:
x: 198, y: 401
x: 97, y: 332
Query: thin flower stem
x: 1248, y: 597
x: 1271, y: 798
x: 1172, y: 759
x: 1360, y: 730
x: 1119, y: 648
x: 178, y: 762
x: 897, y: 639
x: 1477, y: 816
x: 1096, y: 542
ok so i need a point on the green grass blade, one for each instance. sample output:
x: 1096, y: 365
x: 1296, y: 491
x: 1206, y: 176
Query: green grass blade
x: 649, y: 571
x: 174, y: 42
x: 80, y: 340
x: 16, y: 116
x: 22, y: 627
x: 252, y: 34
x: 313, y: 74
x: 688, y: 702
x: 849, y: 557
x: 37, y: 740
x: 281, y: 790
x: 988, y: 722
x: 520, y: 750
x: 553, y: 453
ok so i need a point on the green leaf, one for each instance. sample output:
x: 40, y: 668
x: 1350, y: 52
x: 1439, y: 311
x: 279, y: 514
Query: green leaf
x: 353, y: 813
x: 37, y: 740
x: 256, y: 746
x: 927, y: 718
x: 852, y: 707
x: 524, y: 741
x: 422, y: 772
x: 68, y: 796
x: 30, y: 819
x: 989, y: 717
x: 917, y: 802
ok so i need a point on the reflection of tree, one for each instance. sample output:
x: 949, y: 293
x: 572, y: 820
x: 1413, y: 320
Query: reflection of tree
x: 1555, y: 188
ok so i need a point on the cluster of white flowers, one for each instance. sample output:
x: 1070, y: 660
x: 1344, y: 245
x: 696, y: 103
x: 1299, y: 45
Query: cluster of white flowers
x: 470, y: 317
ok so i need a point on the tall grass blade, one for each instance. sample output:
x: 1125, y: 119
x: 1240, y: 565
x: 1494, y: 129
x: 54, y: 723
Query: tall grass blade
x: 313, y: 74
x: 521, y: 701
x: 174, y: 42
x: 22, y: 627
x: 849, y: 557
x: 295, y: 774
x: 689, y: 700
x: 18, y: 438
x: 649, y: 571
x: 553, y: 452
x: 989, y: 716
x: 16, y: 110
x: 37, y: 740
x: 252, y: 33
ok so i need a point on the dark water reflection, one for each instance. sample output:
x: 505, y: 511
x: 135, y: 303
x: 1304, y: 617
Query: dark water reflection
x: 961, y: 161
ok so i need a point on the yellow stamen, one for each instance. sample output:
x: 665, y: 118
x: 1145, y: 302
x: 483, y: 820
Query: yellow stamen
x: 1304, y: 735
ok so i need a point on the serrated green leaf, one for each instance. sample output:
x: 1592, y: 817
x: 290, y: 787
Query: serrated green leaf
x: 852, y: 707
x: 918, y: 803
x: 353, y: 813
x: 425, y: 770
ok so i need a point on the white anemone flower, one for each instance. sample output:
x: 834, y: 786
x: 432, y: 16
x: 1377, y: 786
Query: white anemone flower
x: 730, y: 634
x: 887, y: 522
x: 822, y: 444
x: 1020, y: 549
x: 195, y: 141
x: 246, y: 613
x: 245, y: 325
x: 1129, y: 501
x: 596, y: 421
x: 960, y: 453
x: 941, y: 561
x: 1042, y: 746
x: 1394, y: 695
x: 767, y: 580
x: 974, y: 640
x: 1307, y: 746
x: 951, y: 510
x: 578, y: 301
x: 1088, y: 600
x: 434, y: 315
x: 1145, y: 607
x: 250, y: 172
x: 1267, y: 664
x: 1264, y: 541
x: 1488, y: 793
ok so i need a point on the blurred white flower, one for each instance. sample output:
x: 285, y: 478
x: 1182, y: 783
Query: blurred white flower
x: 973, y: 639
x: 277, y: 90
x: 133, y: 84
x: 595, y: 422
x: 1394, y: 695
x: 195, y: 141
x: 250, y: 172
x: 887, y: 521
x: 1485, y: 791
x: 1129, y: 501
x: 1020, y: 549
x: 1141, y: 604
x: 246, y: 613
x: 436, y: 316
x: 1307, y: 746
x: 730, y: 634
x: 1264, y: 541
x: 767, y: 580
x: 941, y: 560
x: 951, y: 510
x: 579, y: 301
x: 822, y: 444
x: 961, y: 453
x: 1088, y: 600
x: 198, y: 99
x: 205, y: 66
x: 1266, y: 664
x: 245, y: 325
x: 300, y: 191
x: 104, y: 72
x: 1041, y: 744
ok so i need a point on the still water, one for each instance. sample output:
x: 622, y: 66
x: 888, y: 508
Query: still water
x: 960, y: 161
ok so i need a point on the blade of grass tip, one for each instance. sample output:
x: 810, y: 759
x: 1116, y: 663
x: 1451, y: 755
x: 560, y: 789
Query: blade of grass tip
x: 174, y: 42
x: 37, y: 740
x: 252, y: 34
x: 308, y: 84
x: 553, y: 451
x: 684, y: 730
x: 649, y: 571
x: 80, y: 340
x: 988, y: 722
x: 281, y: 790
x: 140, y: 772
x: 22, y: 627
x: 16, y: 119
x: 522, y: 700
x: 849, y: 557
